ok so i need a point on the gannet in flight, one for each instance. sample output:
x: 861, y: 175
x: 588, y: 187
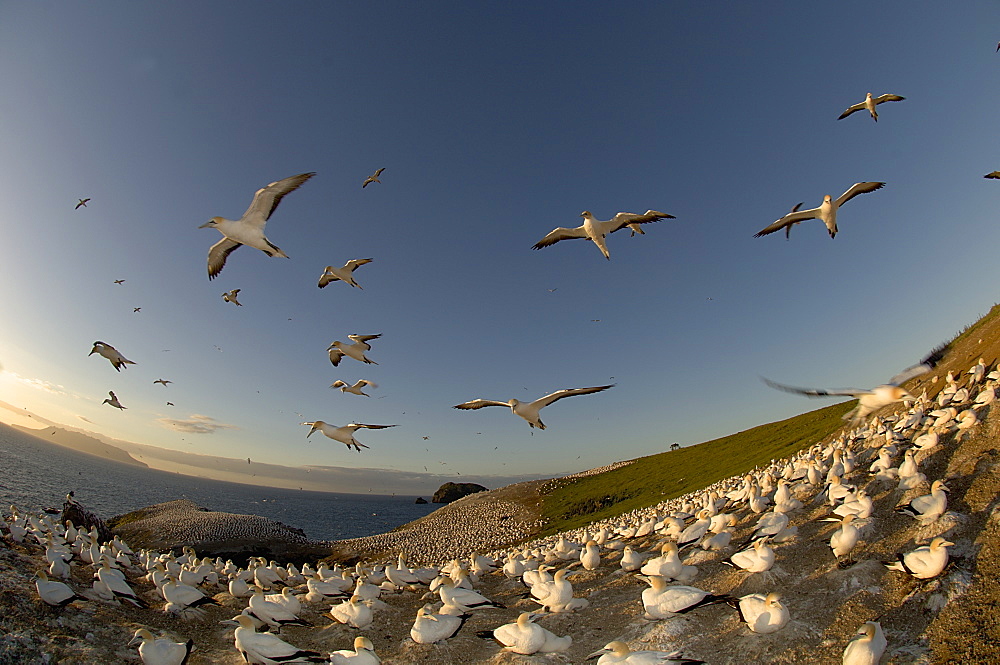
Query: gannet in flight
x: 355, y: 389
x: 230, y: 296
x: 136, y: 309
x: 111, y: 353
x: 343, y: 434
x: 82, y: 202
x: 160, y: 650
x: 345, y: 274
x: 873, y: 398
x: 596, y: 230
x: 870, y: 103
x: 373, y: 178
x: 249, y: 229
x: 113, y: 401
x: 826, y: 212
x: 529, y: 410
x: 164, y: 382
x: 357, y: 350
x: 119, y: 282
x: 995, y: 175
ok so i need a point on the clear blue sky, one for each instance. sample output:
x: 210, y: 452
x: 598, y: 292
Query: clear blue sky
x: 495, y: 122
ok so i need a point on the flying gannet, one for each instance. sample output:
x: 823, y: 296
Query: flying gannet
x: 343, y: 434
x: 160, y: 650
x: 338, y: 349
x: 994, y: 175
x: 356, y: 388
x: 870, y: 103
x: 113, y: 401
x: 826, y: 212
x: 111, y: 353
x: 373, y: 178
x: 529, y: 410
x: 119, y: 282
x: 82, y: 202
x: 345, y: 274
x: 230, y: 296
x: 164, y: 382
x: 249, y: 229
x: 597, y: 230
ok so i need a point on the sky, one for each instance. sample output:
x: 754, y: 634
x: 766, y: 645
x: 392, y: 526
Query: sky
x: 495, y: 123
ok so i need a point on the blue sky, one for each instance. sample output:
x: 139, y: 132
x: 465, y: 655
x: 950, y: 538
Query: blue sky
x: 495, y: 122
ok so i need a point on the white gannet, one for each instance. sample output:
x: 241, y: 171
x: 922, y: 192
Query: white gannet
x: 529, y: 410
x: 618, y: 652
x: 81, y: 203
x: 352, y: 612
x: 667, y: 565
x: 373, y: 178
x: 762, y: 614
x: 119, y: 282
x: 54, y: 593
x: 466, y: 599
x: 867, y: 645
x: 596, y: 230
x: 526, y: 637
x: 183, y: 595
x: 873, y: 398
x: 363, y: 654
x: 230, y: 296
x: 160, y: 650
x: 338, y: 349
x: 113, y: 401
x: 111, y: 353
x: 756, y: 559
x: 163, y: 382
x: 356, y: 388
x: 249, y: 229
x: 662, y: 602
x: 343, y: 434
x: 929, y: 507
x: 430, y: 628
x: 116, y: 583
x: 345, y: 274
x: 870, y: 103
x: 924, y: 562
x: 826, y: 212
x: 265, y: 648
x: 843, y: 540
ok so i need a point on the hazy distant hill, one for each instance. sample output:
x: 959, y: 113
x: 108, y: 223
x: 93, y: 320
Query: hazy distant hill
x: 81, y: 443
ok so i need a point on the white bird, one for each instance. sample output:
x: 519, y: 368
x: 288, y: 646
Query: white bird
x: 113, y: 400
x: 356, y: 389
x: 929, y: 507
x: 596, y: 230
x: 826, y: 212
x: 867, y: 646
x: 662, y: 602
x: 373, y: 178
x: 430, y: 628
x: 924, y: 562
x: 757, y: 559
x: 529, y: 410
x: 345, y: 274
x: 111, y: 353
x: 160, y: 650
x: 357, y: 350
x: 465, y: 599
x: 273, y: 614
x: 618, y: 653
x: 116, y: 583
x: 249, y: 229
x: 230, y: 296
x: 265, y: 648
x: 873, y: 398
x: 363, y: 654
x: 352, y: 612
x: 343, y: 434
x: 762, y: 614
x: 526, y: 637
x: 183, y: 595
x: 870, y: 103
x: 54, y: 593
x: 667, y: 565
x: 843, y: 540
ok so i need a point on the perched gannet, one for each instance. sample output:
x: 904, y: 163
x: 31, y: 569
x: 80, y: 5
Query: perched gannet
x: 183, y: 595
x: 363, y: 654
x: 273, y: 614
x: 230, y: 296
x: 845, y: 538
x: 357, y: 350
x: 160, y: 650
x: 929, y: 507
x: 356, y: 388
x: 465, y: 599
x: 163, y: 382
x: 667, y: 565
x: 373, y: 178
x: 249, y: 229
x: 352, y: 612
x: 345, y: 274
x: 430, y: 628
x: 54, y: 593
x: 115, y: 582
x: 596, y: 230
x: 826, y: 212
x: 924, y: 562
x: 870, y: 103
x: 757, y: 559
x: 111, y: 353
x: 265, y: 648
x: 762, y: 614
x: 529, y: 410
x: 662, y: 602
x: 867, y: 646
x: 113, y: 401
x: 82, y: 202
x: 343, y: 434
x: 873, y: 398
x: 526, y: 637
x: 619, y: 653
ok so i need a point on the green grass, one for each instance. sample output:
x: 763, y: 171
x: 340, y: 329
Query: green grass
x: 649, y: 480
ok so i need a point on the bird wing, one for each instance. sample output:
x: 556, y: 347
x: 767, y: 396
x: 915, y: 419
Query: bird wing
x: 924, y: 366
x: 480, y: 403
x: 338, y: 383
x: 267, y: 198
x: 360, y: 425
x: 851, y: 109
x: 995, y: 175
x: 366, y: 382
x: 623, y: 219
x: 363, y: 338
x: 568, y: 392
x: 888, y: 98
x: 857, y: 188
x: 112, y: 393
x: 336, y: 355
x: 217, y: 254
x: 354, y: 263
x: 379, y: 172
x: 326, y: 278
x: 816, y: 392
x: 788, y: 220
x: 560, y: 233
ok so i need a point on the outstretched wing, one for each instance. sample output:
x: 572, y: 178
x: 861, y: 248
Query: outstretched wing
x: 568, y: 392
x: 924, y: 366
x: 623, y: 219
x: 480, y: 403
x: 788, y: 220
x: 855, y: 189
x: 995, y: 175
x: 817, y: 392
x: 217, y: 254
x: 851, y: 109
x: 888, y: 98
x: 354, y: 263
x: 363, y: 338
x: 267, y: 198
x: 560, y: 233
x: 360, y: 425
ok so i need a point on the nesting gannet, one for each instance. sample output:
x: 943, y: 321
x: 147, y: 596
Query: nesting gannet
x: 618, y: 653
x: 160, y: 650
x: 115, y: 582
x: 82, y: 203
x: 343, y: 434
x: 363, y: 654
x: 867, y: 646
x: 662, y: 602
x: 826, y: 212
x: 352, y: 612
x: 265, y: 648
x: 873, y: 398
x: 596, y: 230
x: 116, y: 359
x: 845, y: 538
x: 924, y: 562
x: 163, y: 382
x: 529, y: 410
x: 345, y: 274
x: 757, y: 559
x: 113, y: 401
x: 870, y: 103
x: 526, y: 637
x: 430, y: 628
x: 338, y: 349
x: 54, y: 593
x: 230, y: 296
x: 249, y: 229
x: 929, y: 507
x: 373, y: 178
x: 356, y: 389
x: 762, y: 614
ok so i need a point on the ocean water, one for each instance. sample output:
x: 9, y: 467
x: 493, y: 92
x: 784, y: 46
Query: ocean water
x: 35, y: 475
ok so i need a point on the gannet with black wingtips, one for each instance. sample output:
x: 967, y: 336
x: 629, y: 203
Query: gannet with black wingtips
x: 826, y: 212
x: 338, y: 349
x: 596, y: 230
x: 924, y: 562
x: 762, y: 614
x: 345, y: 274
x: 265, y: 648
x: 663, y: 602
x: 356, y: 389
x: 619, y: 653
x: 343, y: 434
x: 81, y: 203
x: 430, y: 628
x: 928, y: 507
x: 373, y: 178
x: 116, y: 359
x: 249, y: 229
x: 363, y: 654
x: 526, y: 637
x: 529, y: 410
x: 870, y: 103
x: 54, y: 593
x: 113, y: 400
x: 230, y: 296
x: 160, y: 650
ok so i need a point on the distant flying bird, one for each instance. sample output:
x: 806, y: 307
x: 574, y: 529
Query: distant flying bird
x: 873, y: 398
x: 355, y: 389
x: 136, y: 309
x: 373, y: 178
x: 343, y: 434
x: 249, y: 229
x: 113, y: 401
x: 338, y: 349
x: 870, y: 103
x: 995, y: 175
x: 82, y: 202
x: 596, y: 230
x: 230, y: 296
x: 826, y: 212
x: 111, y: 353
x: 163, y: 382
x: 529, y: 410
x: 345, y: 274
x: 170, y: 403
x: 119, y: 282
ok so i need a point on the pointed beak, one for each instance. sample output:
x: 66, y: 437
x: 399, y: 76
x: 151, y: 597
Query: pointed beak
x: 596, y: 654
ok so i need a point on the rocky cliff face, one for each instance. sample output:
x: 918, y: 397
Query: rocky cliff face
x: 452, y: 491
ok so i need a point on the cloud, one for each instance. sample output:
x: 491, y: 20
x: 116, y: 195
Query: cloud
x: 196, y: 424
x: 86, y: 420
x: 38, y: 384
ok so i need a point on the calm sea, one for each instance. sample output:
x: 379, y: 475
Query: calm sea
x: 35, y: 475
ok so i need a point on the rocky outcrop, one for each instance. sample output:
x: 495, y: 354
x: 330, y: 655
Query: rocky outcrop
x: 453, y: 491
x: 420, y: 499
